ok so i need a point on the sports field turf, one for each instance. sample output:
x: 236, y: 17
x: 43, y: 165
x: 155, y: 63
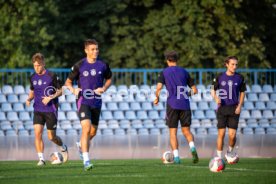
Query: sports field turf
x: 137, y: 171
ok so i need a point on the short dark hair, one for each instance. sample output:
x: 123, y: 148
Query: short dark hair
x: 38, y: 57
x: 226, y: 61
x: 171, y: 56
x: 90, y: 42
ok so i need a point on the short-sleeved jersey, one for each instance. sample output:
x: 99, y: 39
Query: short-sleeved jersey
x: 90, y: 76
x: 229, y: 88
x: 45, y: 85
x: 176, y: 79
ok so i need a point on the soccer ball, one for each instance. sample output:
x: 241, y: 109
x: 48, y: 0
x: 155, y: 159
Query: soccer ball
x: 232, y: 159
x: 167, y: 157
x: 56, y: 158
x: 216, y: 164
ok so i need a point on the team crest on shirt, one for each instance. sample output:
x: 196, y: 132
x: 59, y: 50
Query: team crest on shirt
x: 39, y: 82
x: 85, y: 73
x: 230, y: 83
x: 223, y: 83
x: 93, y: 72
x: 34, y: 83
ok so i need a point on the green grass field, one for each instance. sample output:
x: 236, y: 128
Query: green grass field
x: 137, y: 171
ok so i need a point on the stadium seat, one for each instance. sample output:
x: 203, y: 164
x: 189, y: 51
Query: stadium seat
x: 143, y: 131
x: 206, y: 123
x: 112, y: 106
x: 210, y: 114
x: 29, y: 108
x: 23, y: 133
x: 193, y: 106
x: 11, y: 133
x: 196, y: 98
x: 252, y: 123
x: 24, y: 116
x: 12, y: 116
x: 3, y: 98
x: 102, y: 124
x: 62, y: 99
x: 245, y: 114
x: 119, y: 131
x: 106, y: 97
x: 146, y: 89
x: 163, y: 114
x: 256, y: 114
x: 271, y: 105
x: 107, y: 132
x: 131, y: 131
x: 201, y: 131
x: 124, y: 124
x: 130, y: 115
x: 153, y: 115
x: 134, y: 89
x: 6, y: 107
x: 199, y: 114
x: 118, y: 115
x: 146, y: 106
x: 259, y: 131
x: 271, y: 131
x: 165, y: 131
x: 111, y: 89
x: 142, y: 115
x: 247, y: 131
x: 148, y: 124
x: 255, y: 88
x: 248, y: 105
x: 27, y: 89
x: 7, y: 89
x: 264, y: 97
x: 264, y: 123
x: 201, y: 88
x: 71, y: 132
x: 77, y: 126
x: 248, y: 88
x: 137, y: 124
x: 117, y: 97
x: 140, y: 97
x: 212, y: 131
x: 267, y: 88
x: 155, y: 131
x: 65, y: 107
x: 195, y: 123
x: 203, y: 105
x: 107, y: 115
x: 17, y: 107
x: 213, y: 105
x: 268, y: 114
x: 260, y: 105
x: 28, y: 125
x: 1, y: 134
x: 135, y: 106
x: 12, y: 98
x: 252, y: 97
x: 160, y: 123
x: 273, y: 97
x: 23, y: 98
x: 60, y: 132
x: 18, y: 89
x: 123, y: 106
x: 122, y: 87
x: 65, y: 125
x: 2, y: 116
x: 104, y: 108
x: 72, y: 115
x: 5, y: 125
x: 113, y: 124
x: 242, y: 123
x: 159, y: 106
x: 61, y: 115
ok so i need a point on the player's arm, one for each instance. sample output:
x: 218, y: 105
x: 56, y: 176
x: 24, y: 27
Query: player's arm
x: 242, y: 96
x: 191, y: 84
x: 157, y: 93
x: 213, y: 91
x: 74, y: 74
x: 30, y: 98
x: 108, y: 81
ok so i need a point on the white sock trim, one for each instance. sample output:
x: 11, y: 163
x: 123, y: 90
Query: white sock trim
x: 175, y: 153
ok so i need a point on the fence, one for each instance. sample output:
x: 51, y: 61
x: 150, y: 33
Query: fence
x: 143, y: 76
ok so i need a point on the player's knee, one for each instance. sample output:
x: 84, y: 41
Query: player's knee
x: 93, y: 134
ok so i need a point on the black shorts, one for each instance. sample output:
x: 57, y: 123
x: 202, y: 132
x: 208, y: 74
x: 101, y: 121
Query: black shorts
x: 50, y: 118
x: 227, y: 117
x: 87, y: 112
x: 173, y: 116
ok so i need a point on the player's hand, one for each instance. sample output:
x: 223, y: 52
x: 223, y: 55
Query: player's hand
x: 28, y: 103
x: 156, y: 101
x: 238, y: 110
x: 76, y: 91
x: 46, y: 100
x: 218, y: 101
x: 99, y: 91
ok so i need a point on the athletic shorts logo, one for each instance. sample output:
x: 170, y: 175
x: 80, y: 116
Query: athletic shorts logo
x: 93, y: 72
x: 85, y: 73
x: 54, y: 126
x: 223, y: 83
x: 82, y: 114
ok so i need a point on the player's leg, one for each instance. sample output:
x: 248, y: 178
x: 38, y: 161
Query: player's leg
x: 172, y: 118
x: 95, y: 117
x: 185, y: 119
x: 232, y: 131
x: 220, y: 140
x: 38, y: 131
x: 222, y: 121
x: 51, y: 123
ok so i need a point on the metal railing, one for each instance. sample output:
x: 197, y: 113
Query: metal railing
x: 143, y: 76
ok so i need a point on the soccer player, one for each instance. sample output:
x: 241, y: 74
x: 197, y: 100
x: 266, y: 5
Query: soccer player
x: 176, y: 79
x: 228, y: 92
x: 45, y: 88
x: 94, y: 78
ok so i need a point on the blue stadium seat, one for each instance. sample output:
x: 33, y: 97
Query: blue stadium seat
x: 137, y: 124
x: 24, y: 116
x: 135, y: 106
x: 248, y: 105
x: 131, y: 131
x: 70, y: 98
x: 201, y: 88
x: 28, y: 125
x: 271, y: 105
x: 112, y: 106
x: 107, y: 115
x: 117, y: 98
x: 123, y: 106
x: 23, y: 133
x: 119, y: 132
x: 264, y: 123
x: 104, y: 108
x: 7, y: 89
x: 260, y: 105
x: 248, y: 88
x: 196, y: 97
x: 255, y: 88
x: 247, y: 131
x: 125, y: 124
x: 17, y: 107
x: 12, y: 116
x: 77, y: 126
x: 148, y: 123
x: 143, y: 131
x: 271, y: 131
x: 193, y: 106
x: 199, y: 114
x: 195, y: 123
x: 142, y: 115
x: 273, y: 97
x: 102, y: 124
x: 5, y: 125
x: 165, y: 131
x: 252, y: 123
x: 72, y: 115
x: 267, y: 88
x: 203, y: 105
x: 11, y: 133
x: 12, y: 98
x: 212, y: 131
x: 210, y: 114
x: 245, y: 114
x: 23, y: 98
x: 140, y: 97
x: 112, y: 89
x: 256, y: 114
x: 130, y: 115
x: 213, y: 105
x: 61, y: 115
x: 268, y: 114
x: 29, y: 108
x: 146, y: 106
x: 2, y: 116
x: 62, y: 99
x: 18, y: 89
x: 159, y: 106
x: 107, y: 132
x: 153, y: 114
x: 264, y: 97
x: 65, y: 125
x: 155, y: 131
x: 259, y: 131
x: 65, y: 107
x: 118, y: 115
x: 252, y: 97
x: 145, y: 88
x: 106, y: 97
x: 201, y: 131
x: 206, y: 123
x: 160, y: 123
x: 1, y: 134
x: 60, y: 132
x: 134, y: 89
x: 27, y: 89
x: 3, y: 98
x: 122, y: 87
x: 163, y: 114
x: 6, y: 107
x: 71, y: 132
